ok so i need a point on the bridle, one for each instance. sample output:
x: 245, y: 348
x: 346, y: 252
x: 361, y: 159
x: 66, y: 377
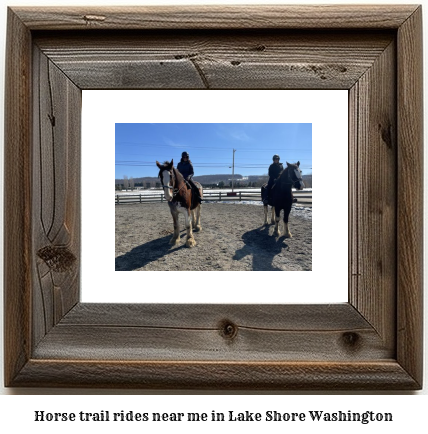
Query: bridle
x: 175, y: 191
x: 292, y: 182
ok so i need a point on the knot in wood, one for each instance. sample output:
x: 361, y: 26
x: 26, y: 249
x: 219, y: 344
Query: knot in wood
x: 351, y: 340
x: 386, y: 134
x: 228, y: 329
x: 58, y: 259
x: 258, y: 48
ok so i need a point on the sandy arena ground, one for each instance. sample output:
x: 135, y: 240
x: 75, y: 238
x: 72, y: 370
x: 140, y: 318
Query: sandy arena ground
x: 232, y: 238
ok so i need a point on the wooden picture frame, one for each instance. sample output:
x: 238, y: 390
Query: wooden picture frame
x: 372, y: 342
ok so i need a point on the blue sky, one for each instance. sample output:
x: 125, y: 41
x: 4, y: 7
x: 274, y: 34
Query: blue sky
x: 210, y: 147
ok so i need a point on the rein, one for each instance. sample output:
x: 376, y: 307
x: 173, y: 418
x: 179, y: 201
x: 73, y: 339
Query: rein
x: 289, y: 178
x: 175, y: 191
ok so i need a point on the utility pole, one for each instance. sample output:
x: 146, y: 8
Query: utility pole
x: 233, y: 168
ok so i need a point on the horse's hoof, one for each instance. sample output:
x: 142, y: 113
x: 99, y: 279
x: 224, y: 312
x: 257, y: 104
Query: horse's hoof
x: 190, y: 242
x: 288, y: 235
x: 272, y: 222
x: 174, y: 241
x: 276, y: 233
x: 197, y: 229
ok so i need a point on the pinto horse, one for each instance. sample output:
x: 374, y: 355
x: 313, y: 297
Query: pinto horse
x: 180, y: 199
x: 281, y: 196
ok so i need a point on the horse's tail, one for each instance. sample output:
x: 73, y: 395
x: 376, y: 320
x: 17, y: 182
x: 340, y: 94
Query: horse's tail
x: 263, y: 192
x: 199, y: 186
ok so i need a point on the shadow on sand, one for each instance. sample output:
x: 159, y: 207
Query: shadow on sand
x: 262, y: 247
x: 142, y: 255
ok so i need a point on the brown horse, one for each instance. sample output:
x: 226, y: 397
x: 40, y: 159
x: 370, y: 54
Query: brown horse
x: 180, y: 199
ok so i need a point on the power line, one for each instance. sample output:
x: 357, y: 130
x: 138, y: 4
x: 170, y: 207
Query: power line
x: 196, y: 161
x: 150, y: 163
x: 154, y: 145
x: 211, y: 166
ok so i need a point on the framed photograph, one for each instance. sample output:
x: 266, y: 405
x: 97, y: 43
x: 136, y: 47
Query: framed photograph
x: 373, y: 341
x: 155, y: 242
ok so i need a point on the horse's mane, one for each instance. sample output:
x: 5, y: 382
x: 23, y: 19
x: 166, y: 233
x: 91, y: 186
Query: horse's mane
x: 178, y: 174
x: 282, y: 172
x: 295, y: 165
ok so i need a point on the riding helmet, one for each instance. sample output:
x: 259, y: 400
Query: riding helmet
x: 185, y: 154
x: 275, y: 156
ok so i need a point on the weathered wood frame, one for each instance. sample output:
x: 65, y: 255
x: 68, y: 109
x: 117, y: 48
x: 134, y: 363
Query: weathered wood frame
x: 372, y: 342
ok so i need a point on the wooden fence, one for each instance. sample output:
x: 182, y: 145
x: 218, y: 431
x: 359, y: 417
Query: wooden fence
x: 303, y: 197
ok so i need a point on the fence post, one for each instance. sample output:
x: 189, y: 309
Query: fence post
x: 161, y: 197
x: 219, y: 196
x: 240, y: 196
x: 117, y: 196
x: 140, y: 198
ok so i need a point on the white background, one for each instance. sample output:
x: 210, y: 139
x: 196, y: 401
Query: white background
x: 16, y: 412
x: 328, y: 113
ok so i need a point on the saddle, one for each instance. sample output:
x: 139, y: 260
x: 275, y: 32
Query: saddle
x: 266, y: 195
x: 195, y: 195
x: 266, y: 198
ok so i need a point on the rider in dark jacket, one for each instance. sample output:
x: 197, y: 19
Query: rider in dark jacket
x: 185, y: 167
x: 274, y: 170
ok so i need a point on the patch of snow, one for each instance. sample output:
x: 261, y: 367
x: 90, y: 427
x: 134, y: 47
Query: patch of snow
x: 299, y: 211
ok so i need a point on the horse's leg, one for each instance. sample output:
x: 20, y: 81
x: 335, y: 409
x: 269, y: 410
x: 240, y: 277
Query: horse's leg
x: 287, y: 210
x: 190, y: 241
x: 193, y: 217
x: 276, y: 232
x: 272, y: 220
x: 198, y: 226
x: 266, y: 213
x: 176, y: 237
